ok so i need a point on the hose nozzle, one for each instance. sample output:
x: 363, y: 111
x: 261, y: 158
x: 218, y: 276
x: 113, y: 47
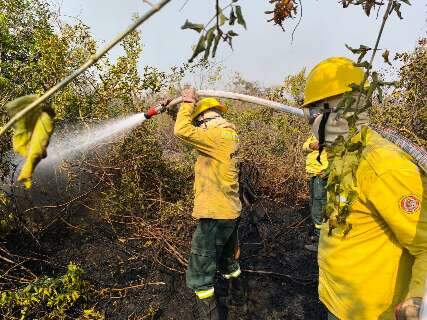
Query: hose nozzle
x: 154, y: 111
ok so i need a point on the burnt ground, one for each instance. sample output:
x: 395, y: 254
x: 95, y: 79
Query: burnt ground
x: 281, y: 275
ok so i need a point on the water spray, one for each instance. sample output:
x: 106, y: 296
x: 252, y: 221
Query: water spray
x: 77, y: 142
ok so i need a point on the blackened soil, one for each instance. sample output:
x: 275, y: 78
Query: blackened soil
x: 281, y: 275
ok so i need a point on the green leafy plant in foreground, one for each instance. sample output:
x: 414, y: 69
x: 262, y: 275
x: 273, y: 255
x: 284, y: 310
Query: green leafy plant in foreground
x: 47, y: 298
x: 347, y: 153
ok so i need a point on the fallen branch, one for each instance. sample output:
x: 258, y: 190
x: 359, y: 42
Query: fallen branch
x: 292, y: 278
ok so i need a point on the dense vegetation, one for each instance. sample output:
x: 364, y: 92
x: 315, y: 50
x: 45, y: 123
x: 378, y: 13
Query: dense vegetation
x: 137, y: 191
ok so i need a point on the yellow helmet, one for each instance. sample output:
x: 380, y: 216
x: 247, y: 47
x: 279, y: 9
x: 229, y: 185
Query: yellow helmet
x: 206, y: 104
x: 331, y: 77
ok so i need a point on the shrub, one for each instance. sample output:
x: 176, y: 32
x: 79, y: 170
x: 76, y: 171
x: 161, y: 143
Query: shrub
x: 47, y: 298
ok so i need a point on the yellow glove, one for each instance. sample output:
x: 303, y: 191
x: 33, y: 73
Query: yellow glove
x: 409, y: 309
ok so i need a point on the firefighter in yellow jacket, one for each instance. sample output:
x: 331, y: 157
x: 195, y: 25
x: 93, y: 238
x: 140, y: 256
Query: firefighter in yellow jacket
x: 316, y: 169
x: 216, y: 201
x: 378, y: 268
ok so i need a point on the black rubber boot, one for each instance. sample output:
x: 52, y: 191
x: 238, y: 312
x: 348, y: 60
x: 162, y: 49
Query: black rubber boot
x: 238, y: 293
x: 206, y: 309
x: 313, y: 245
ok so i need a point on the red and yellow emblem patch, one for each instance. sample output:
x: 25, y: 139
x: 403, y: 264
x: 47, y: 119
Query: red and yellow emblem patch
x: 409, y: 204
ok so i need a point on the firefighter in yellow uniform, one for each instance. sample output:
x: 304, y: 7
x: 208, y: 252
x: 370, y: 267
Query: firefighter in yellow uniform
x: 378, y: 268
x: 217, y: 205
x: 316, y: 168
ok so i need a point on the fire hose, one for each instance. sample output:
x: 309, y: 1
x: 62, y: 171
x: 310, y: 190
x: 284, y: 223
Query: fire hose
x: 418, y: 154
x: 229, y: 95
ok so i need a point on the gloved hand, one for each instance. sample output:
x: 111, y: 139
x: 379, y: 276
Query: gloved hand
x: 189, y: 95
x: 314, y: 145
x: 409, y: 309
x: 165, y: 102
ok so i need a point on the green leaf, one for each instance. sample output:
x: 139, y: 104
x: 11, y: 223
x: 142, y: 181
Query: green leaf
x: 31, y: 135
x: 193, y: 26
x: 200, y: 47
x: 216, y: 43
x: 210, y: 36
x: 240, y: 19
x: 232, y: 17
x: 231, y: 33
x: 229, y: 38
x: 385, y: 56
x: 396, y: 8
x: 362, y: 48
x: 222, y: 18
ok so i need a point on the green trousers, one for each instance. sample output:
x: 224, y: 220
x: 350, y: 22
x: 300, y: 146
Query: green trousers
x: 317, y: 201
x: 214, y: 248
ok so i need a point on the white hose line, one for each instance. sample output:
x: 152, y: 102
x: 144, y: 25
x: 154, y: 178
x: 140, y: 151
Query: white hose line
x: 245, y: 98
x: 418, y: 154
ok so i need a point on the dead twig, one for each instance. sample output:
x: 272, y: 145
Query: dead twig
x: 184, y: 5
x: 66, y: 204
x: 123, y: 290
x: 148, y: 2
x: 292, y: 278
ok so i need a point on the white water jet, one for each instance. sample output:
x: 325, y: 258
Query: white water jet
x: 70, y: 144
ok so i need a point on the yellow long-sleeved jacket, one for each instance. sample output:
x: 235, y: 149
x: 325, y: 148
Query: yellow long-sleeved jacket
x: 216, y: 186
x: 312, y: 166
x: 383, y: 259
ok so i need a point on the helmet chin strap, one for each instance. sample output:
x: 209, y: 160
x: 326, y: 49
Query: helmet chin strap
x: 322, y: 131
x: 204, y: 121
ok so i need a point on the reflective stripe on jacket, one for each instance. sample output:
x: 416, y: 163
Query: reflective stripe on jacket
x: 383, y: 259
x: 312, y: 166
x: 216, y: 186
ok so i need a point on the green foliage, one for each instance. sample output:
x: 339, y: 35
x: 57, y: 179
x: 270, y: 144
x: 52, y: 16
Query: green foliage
x: 369, y: 5
x: 403, y: 109
x: 7, y: 216
x: 341, y: 186
x: 193, y: 26
x: 213, y: 32
x: 345, y: 153
x: 33, y: 57
x: 47, y: 298
x: 20, y: 50
x: 293, y: 88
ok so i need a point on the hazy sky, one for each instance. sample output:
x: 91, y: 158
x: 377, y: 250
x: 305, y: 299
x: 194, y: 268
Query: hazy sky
x: 263, y: 52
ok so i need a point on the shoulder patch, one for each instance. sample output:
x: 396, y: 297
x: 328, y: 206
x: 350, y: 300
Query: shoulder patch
x: 409, y: 204
x: 230, y: 135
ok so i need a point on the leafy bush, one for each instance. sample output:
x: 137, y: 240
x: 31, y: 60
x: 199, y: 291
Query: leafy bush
x: 48, y: 298
x: 404, y: 109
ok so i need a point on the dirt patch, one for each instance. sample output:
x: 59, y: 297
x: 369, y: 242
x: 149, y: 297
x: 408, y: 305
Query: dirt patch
x: 281, y: 275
